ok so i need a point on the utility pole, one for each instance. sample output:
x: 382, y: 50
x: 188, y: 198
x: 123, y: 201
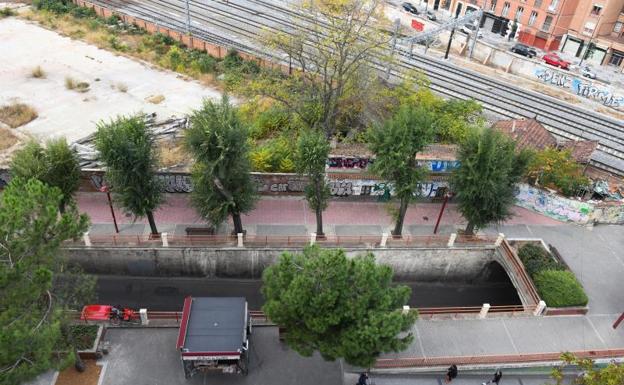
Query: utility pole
x: 188, y: 18
x: 474, y: 41
x: 397, y: 25
x: 448, y: 47
x: 589, y: 45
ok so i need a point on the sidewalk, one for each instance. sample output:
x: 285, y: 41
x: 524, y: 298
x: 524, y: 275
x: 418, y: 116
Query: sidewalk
x: 291, y: 216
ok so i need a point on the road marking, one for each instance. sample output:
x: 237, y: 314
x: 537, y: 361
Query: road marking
x: 596, y: 331
x: 509, y: 335
x: 530, y: 231
x: 419, y: 341
x: 606, y: 243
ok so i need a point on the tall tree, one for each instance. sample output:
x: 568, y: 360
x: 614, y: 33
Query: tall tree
x: 485, y: 182
x: 395, y: 144
x: 338, y: 306
x: 33, y: 294
x: 56, y: 165
x: 222, y: 183
x: 127, y: 149
x: 310, y: 160
x: 330, y: 54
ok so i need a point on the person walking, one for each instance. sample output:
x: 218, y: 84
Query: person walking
x: 496, y: 379
x: 363, y: 380
x: 451, y: 373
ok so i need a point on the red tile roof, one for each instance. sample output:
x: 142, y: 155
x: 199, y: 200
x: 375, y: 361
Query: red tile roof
x: 582, y: 150
x: 528, y: 133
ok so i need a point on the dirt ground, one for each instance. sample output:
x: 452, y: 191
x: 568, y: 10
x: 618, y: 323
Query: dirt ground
x: 116, y: 85
x: 71, y: 376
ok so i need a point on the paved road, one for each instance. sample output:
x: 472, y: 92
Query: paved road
x: 167, y: 293
x: 462, y: 379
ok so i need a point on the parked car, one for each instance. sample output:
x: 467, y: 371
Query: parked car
x: 409, y: 7
x: 554, y: 60
x: 524, y: 50
x: 469, y: 29
x: 431, y: 16
x: 588, y: 72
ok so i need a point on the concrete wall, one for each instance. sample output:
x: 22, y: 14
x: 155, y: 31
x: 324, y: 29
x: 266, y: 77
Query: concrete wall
x: 435, y: 264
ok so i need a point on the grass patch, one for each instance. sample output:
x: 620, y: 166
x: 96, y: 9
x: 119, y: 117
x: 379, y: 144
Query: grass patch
x: 6, y: 12
x: 73, y: 84
x: 557, y: 286
x: 7, y: 139
x: 38, y: 73
x: 17, y: 114
x: 84, y: 335
x: 172, y: 154
x: 155, y: 99
x: 560, y: 288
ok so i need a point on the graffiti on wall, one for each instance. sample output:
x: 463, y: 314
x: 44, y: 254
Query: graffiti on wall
x: 171, y: 183
x: 369, y: 187
x: 363, y: 163
x: 553, y: 205
x: 279, y: 183
x: 580, y: 87
x: 439, y: 165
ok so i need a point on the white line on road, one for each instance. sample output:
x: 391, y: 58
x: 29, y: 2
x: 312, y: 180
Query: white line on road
x: 604, y: 344
x: 510, y: 338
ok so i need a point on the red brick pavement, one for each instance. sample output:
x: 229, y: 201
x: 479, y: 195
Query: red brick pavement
x: 293, y: 210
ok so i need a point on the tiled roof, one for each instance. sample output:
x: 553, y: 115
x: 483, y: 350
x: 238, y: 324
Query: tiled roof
x: 582, y: 150
x: 528, y: 133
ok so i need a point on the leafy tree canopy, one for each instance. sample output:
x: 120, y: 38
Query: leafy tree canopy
x: 557, y: 170
x: 339, y: 306
x: 32, y: 293
x: 611, y: 374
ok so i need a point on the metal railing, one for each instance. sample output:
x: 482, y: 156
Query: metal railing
x: 520, y: 272
x: 387, y: 363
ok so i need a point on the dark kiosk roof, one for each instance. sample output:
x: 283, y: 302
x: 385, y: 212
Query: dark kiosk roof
x: 215, y: 325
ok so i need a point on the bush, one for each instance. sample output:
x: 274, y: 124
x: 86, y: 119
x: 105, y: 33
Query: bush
x: 83, y: 12
x: 56, y: 6
x: 231, y: 61
x: 560, y: 288
x: 204, y: 64
x: 6, y: 12
x: 276, y: 155
x: 557, y: 170
x: 536, y: 259
x: 269, y: 122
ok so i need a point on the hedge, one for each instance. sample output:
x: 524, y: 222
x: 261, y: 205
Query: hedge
x: 536, y: 259
x: 560, y: 288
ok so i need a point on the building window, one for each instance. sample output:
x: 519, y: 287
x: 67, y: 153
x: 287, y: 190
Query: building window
x: 553, y: 5
x: 532, y: 18
x: 616, y: 58
x: 596, y: 9
x: 617, y: 27
x: 505, y: 9
x: 493, y: 6
x: 547, y: 23
x: 519, y: 14
x: 588, y: 29
x: 538, y: 3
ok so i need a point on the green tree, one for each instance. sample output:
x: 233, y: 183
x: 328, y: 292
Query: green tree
x: 485, y: 182
x: 611, y: 374
x: 56, y: 165
x: 127, y: 149
x: 557, y: 170
x: 35, y: 282
x: 395, y: 144
x: 310, y: 160
x: 222, y: 183
x: 339, y: 306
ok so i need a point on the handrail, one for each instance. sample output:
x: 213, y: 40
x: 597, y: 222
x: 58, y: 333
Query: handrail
x: 520, y: 271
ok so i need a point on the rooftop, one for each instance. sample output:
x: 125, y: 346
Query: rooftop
x: 528, y: 133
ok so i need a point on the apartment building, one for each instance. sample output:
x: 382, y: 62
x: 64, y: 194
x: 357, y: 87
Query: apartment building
x: 540, y: 23
x: 601, y: 23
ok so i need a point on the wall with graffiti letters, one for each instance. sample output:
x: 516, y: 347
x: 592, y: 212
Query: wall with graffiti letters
x: 346, y: 162
x: 581, y: 87
x: 568, y: 210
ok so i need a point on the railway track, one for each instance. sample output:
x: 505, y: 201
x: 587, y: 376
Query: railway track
x: 238, y: 24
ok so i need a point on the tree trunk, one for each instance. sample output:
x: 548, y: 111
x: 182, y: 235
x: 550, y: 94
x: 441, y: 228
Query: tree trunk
x: 150, y: 218
x: 470, y: 228
x: 398, y: 228
x: 319, y: 223
x: 62, y: 207
x: 238, y: 224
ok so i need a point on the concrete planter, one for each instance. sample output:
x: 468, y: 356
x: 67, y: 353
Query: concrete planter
x: 94, y: 352
x: 572, y: 310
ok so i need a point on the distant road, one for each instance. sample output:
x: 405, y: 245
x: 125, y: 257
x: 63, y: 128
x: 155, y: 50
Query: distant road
x: 167, y: 293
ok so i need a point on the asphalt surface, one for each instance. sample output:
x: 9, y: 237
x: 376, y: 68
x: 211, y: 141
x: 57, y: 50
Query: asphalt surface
x: 167, y: 293
x: 462, y: 379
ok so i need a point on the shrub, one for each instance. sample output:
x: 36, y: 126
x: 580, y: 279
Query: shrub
x: 55, y: 6
x: 38, y: 72
x: 205, y: 64
x: 174, y: 59
x: 560, y: 288
x: 536, y: 259
x: 276, y: 155
x: 557, y: 170
x: 83, y: 12
x: 270, y: 121
x: 6, y: 12
x: 70, y: 83
x: 231, y: 61
x: 17, y: 114
x: 116, y: 44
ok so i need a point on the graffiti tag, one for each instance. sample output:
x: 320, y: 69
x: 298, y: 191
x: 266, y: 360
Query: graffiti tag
x: 580, y: 87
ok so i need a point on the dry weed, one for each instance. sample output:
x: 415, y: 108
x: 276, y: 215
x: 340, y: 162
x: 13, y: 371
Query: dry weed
x: 17, y: 114
x: 70, y: 83
x: 172, y: 154
x: 7, y: 139
x: 122, y: 87
x: 155, y: 99
x: 38, y: 73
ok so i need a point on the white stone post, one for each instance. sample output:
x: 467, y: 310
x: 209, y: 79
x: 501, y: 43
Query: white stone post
x: 312, y: 238
x: 165, y: 239
x: 451, y: 240
x: 240, y: 240
x: 499, y: 240
x: 143, y: 314
x: 86, y: 239
x: 484, y: 310
x: 406, y: 309
x: 540, y: 308
x: 384, y: 240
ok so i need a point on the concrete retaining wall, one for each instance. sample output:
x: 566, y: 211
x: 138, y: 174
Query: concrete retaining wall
x: 435, y: 264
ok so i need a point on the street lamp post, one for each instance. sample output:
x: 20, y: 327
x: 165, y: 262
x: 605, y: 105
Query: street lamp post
x: 106, y: 190
x: 447, y: 195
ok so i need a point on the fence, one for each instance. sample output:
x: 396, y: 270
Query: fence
x: 491, y: 359
x: 267, y: 241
